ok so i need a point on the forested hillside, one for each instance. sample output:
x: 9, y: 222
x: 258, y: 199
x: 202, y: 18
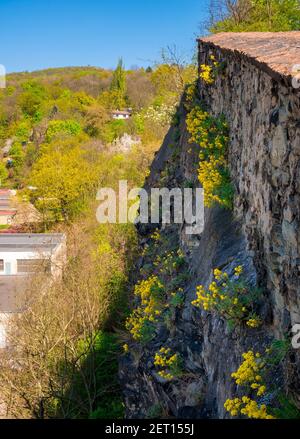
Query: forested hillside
x: 59, y: 145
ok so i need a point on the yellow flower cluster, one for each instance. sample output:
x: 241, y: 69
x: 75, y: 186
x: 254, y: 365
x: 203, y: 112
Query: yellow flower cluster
x: 150, y: 292
x: 247, y: 407
x: 249, y: 374
x: 206, y: 74
x: 210, y: 176
x: 238, y: 270
x: 211, y: 134
x: 197, y: 122
x: 154, y: 291
x: 155, y: 235
x: 125, y: 348
x: 226, y: 297
x: 249, y: 370
x: 136, y: 323
x: 168, y: 362
x: 255, y: 322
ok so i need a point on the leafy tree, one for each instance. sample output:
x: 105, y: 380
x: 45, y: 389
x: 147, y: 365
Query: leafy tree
x: 32, y: 98
x: 64, y: 182
x: 254, y: 15
x: 118, y: 86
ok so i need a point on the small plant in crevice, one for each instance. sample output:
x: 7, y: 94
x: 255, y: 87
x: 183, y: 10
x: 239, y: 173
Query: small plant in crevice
x: 232, y: 299
x: 209, y: 72
x: 171, y: 261
x: 168, y: 363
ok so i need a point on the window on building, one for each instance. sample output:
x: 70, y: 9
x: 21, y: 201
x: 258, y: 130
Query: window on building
x: 1, y: 265
x: 33, y: 265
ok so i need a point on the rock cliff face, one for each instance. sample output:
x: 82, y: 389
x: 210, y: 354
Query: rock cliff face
x: 262, y: 234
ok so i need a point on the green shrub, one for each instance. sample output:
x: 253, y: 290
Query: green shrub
x: 62, y: 128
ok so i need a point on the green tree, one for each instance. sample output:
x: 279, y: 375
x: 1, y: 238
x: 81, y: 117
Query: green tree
x: 254, y: 15
x: 118, y: 86
x: 32, y: 98
x: 64, y: 182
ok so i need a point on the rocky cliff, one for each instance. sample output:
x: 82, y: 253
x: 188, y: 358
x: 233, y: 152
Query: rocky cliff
x: 253, y: 90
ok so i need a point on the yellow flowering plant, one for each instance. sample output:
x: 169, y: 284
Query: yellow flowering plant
x: 160, y: 293
x: 250, y: 375
x: 168, y: 363
x: 233, y: 299
x: 247, y: 407
x: 141, y: 322
x: 256, y: 375
x: 211, y: 134
x: 208, y: 72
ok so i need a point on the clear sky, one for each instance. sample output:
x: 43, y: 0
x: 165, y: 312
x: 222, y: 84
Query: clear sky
x: 37, y: 34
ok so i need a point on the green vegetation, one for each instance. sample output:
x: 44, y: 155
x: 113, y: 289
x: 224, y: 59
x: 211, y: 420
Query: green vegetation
x: 255, y: 15
x: 118, y: 86
x: 159, y: 293
x: 60, y: 130
x: 263, y: 398
x: 233, y: 299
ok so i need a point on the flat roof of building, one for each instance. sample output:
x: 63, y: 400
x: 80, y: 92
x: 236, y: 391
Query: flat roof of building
x: 12, y: 289
x: 20, y: 242
x: 280, y: 51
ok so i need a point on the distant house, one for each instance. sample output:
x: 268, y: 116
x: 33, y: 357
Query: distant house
x: 121, y: 115
x: 22, y: 256
x: 23, y: 253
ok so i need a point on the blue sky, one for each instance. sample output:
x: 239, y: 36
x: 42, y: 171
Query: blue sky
x: 37, y: 34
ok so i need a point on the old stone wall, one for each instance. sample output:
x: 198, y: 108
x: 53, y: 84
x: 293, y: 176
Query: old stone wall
x: 264, y: 118
x: 262, y: 234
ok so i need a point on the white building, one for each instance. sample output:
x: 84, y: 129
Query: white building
x: 121, y: 115
x: 21, y: 256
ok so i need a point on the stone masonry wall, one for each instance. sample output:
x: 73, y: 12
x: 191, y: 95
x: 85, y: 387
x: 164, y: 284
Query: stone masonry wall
x: 262, y: 234
x: 264, y: 118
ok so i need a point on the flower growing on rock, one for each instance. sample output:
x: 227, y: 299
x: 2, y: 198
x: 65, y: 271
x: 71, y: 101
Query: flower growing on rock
x: 233, y: 299
x: 169, y: 363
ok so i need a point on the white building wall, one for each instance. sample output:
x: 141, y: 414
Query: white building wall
x: 10, y: 260
x: 4, y: 321
x: 57, y: 258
